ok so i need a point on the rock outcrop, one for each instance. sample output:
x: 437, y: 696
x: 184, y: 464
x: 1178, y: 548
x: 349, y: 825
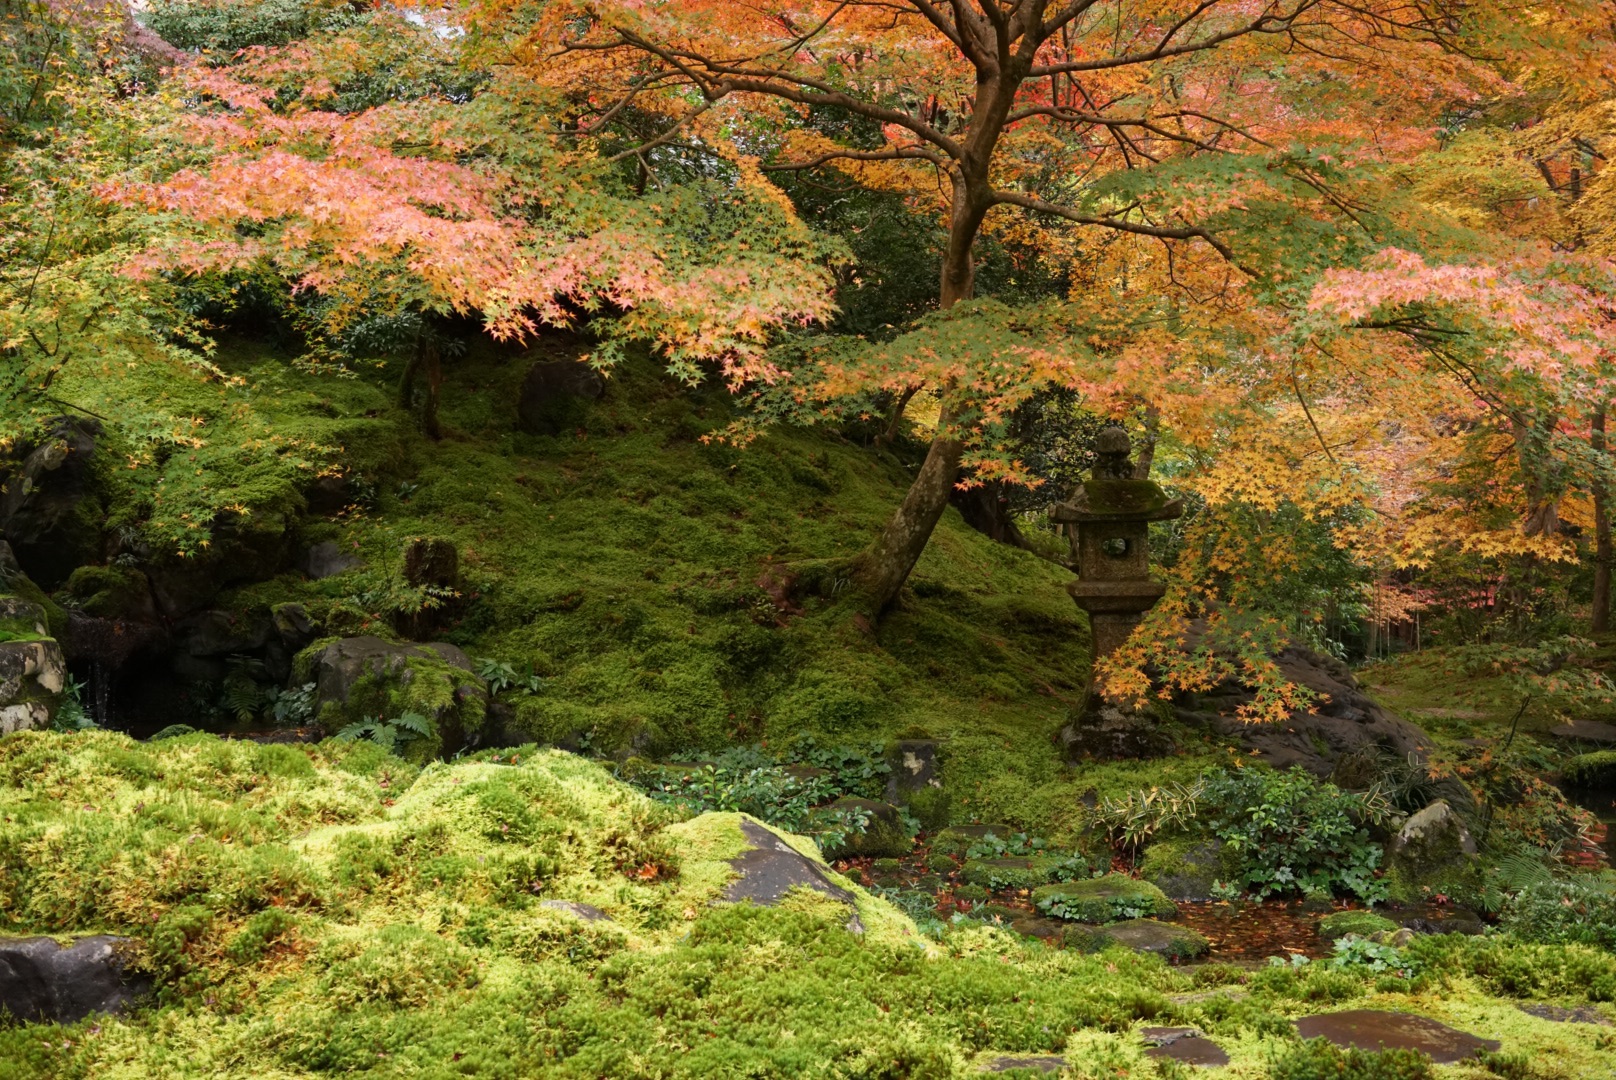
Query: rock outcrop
x: 43, y: 982
x: 363, y: 678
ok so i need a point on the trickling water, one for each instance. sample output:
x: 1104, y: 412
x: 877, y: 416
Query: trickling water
x: 100, y: 703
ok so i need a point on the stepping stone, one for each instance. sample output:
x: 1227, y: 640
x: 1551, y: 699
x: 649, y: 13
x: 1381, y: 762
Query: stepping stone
x: 586, y: 912
x: 771, y: 868
x: 1150, y: 936
x: 1593, y: 731
x: 1371, y: 1029
x: 1579, y: 1014
x: 1184, y: 1045
x: 1044, y: 1063
x: 1038, y: 927
x: 48, y: 983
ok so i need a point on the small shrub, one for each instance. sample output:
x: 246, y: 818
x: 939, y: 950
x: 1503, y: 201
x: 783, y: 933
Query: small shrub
x: 1361, y: 953
x: 1591, y: 770
x: 1295, y: 833
x: 1104, y: 899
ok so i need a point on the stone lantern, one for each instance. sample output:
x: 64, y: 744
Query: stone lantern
x: 1109, y: 519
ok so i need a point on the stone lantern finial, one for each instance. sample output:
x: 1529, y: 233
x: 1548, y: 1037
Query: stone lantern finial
x: 1112, y: 448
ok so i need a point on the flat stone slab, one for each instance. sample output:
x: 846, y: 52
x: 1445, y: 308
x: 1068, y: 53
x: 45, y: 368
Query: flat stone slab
x: 1150, y: 936
x: 1043, y: 1062
x: 772, y: 868
x: 1184, y: 1045
x: 1372, y: 1029
x: 44, y: 982
x: 586, y: 912
x: 1594, y: 731
x: 1579, y: 1014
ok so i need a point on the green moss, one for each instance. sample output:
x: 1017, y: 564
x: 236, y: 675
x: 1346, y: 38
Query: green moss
x: 1010, y: 873
x: 109, y: 592
x: 1591, y: 770
x: 1361, y: 923
x: 1187, y: 867
x: 1104, y: 899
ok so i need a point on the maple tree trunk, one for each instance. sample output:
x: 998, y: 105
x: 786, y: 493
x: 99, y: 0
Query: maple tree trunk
x: 1602, y: 552
x: 424, y: 367
x: 883, y: 568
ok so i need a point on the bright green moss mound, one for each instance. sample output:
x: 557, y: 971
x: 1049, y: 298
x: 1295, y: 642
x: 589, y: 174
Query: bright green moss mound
x: 312, y: 911
x: 1010, y: 873
x: 1361, y: 923
x: 1104, y: 899
x: 1591, y: 770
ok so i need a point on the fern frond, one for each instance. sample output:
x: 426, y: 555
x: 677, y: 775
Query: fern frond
x: 413, y: 722
x: 359, y: 729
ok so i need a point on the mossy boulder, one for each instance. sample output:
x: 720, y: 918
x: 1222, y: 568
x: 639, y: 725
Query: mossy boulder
x: 1010, y: 873
x: 1595, y: 770
x: 1433, y: 853
x: 1357, y: 923
x: 111, y: 592
x: 883, y: 835
x: 955, y: 839
x: 1104, y: 899
x: 1186, y: 869
x: 33, y: 672
x: 1159, y: 938
x: 365, y: 678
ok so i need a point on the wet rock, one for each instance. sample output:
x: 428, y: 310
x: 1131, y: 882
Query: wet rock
x: 1433, y: 850
x: 1184, y: 1045
x: 1589, y: 731
x: 770, y: 868
x: 1580, y: 1014
x: 1371, y: 1029
x: 294, y: 625
x: 1104, y: 899
x: 49, y: 510
x: 18, y: 616
x: 1009, y: 873
x: 914, y: 767
x: 586, y: 912
x: 1042, y: 1062
x: 32, y: 675
x: 43, y: 982
x: 221, y: 633
x: 883, y: 837
x: 556, y: 394
x: 327, y: 559
x: 1450, y: 921
x: 1035, y: 926
x: 1162, y: 939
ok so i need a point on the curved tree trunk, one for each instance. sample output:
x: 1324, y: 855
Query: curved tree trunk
x: 883, y: 568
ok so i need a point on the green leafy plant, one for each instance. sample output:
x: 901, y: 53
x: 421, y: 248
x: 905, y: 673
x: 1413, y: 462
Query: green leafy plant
x: 390, y: 734
x: 71, y: 715
x: 860, y: 770
x: 243, y: 694
x: 1355, y: 953
x: 1129, y: 821
x: 293, y: 707
x: 1580, y: 910
x: 1018, y: 844
x: 1294, y: 833
x: 501, y: 676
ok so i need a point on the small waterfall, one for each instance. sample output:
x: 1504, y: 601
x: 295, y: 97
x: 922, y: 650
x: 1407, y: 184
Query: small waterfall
x: 100, y: 693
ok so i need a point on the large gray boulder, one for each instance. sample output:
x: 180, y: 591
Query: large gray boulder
x: 770, y: 868
x: 48, y: 500
x: 43, y: 982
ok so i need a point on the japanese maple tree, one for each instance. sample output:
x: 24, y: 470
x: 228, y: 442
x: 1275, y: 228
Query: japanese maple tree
x: 1188, y: 164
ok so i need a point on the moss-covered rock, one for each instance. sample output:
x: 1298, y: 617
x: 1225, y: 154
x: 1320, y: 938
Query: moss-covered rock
x: 1597, y: 769
x: 1104, y: 899
x: 1359, y: 923
x: 1159, y: 938
x: 366, y: 678
x: 111, y: 592
x: 883, y: 834
x: 1433, y: 853
x: 1010, y: 873
x: 1186, y: 869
